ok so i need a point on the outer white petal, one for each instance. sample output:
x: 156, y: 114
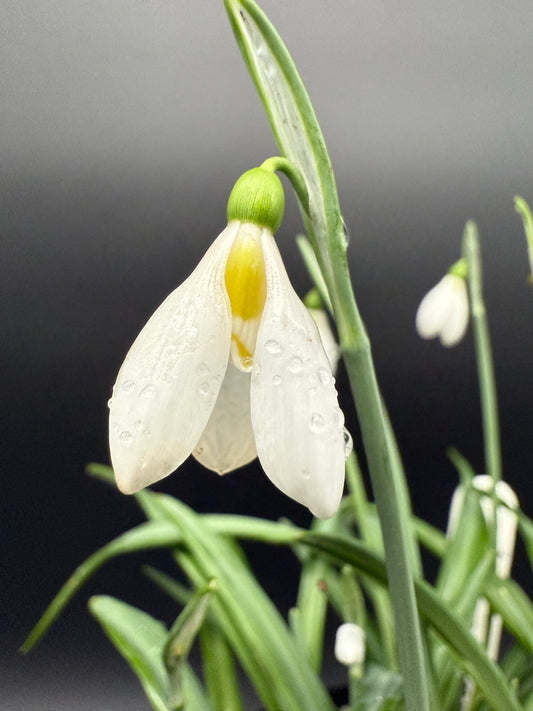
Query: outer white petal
x: 228, y: 440
x: 296, y: 418
x: 454, y: 328
x: 331, y: 346
x: 434, y: 309
x: 168, y: 384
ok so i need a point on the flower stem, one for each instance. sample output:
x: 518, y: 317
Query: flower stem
x: 487, y: 381
x: 394, y: 524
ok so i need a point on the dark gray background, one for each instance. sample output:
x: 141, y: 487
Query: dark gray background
x: 123, y: 126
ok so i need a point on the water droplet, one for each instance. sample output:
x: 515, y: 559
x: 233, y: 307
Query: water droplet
x: 202, y: 369
x: 146, y: 434
x: 306, y: 473
x: 324, y: 376
x: 337, y: 419
x: 139, y: 425
x: 348, y: 443
x: 204, y: 389
x: 143, y: 463
x: 110, y: 402
x: 295, y: 364
x: 126, y: 437
x: 273, y: 347
x: 346, y: 233
x: 276, y: 379
x: 317, y: 422
x: 128, y: 386
x: 115, y: 427
x: 148, y: 392
x: 312, y: 392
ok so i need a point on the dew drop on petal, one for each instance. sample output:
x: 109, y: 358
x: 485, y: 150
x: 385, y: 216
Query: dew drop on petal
x: 128, y: 386
x: 324, y: 376
x: 295, y: 364
x: 348, y: 443
x: 148, y: 392
x: 146, y: 434
x: 306, y: 473
x: 312, y: 392
x: 202, y: 369
x: 110, y: 402
x: 273, y: 347
x: 126, y: 437
x: 204, y: 389
x: 317, y: 422
x: 276, y: 379
x: 139, y: 425
x: 337, y: 419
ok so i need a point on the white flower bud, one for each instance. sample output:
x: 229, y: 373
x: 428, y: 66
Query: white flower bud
x: 444, y: 311
x: 350, y: 644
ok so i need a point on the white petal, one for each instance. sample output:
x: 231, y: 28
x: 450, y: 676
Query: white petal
x: 433, y: 310
x: 454, y: 328
x: 228, y: 440
x: 168, y: 384
x: 297, y: 422
x: 331, y: 346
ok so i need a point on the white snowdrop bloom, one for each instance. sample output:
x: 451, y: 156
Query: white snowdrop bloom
x: 231, y: 366
x: 444, y: 311
x: 350, y: 644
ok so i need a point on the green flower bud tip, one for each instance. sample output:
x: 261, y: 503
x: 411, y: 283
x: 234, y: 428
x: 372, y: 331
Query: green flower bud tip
x: 459, y: 268
x: 257, y: 197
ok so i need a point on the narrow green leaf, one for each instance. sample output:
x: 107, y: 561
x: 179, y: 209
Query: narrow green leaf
x: 378, y: 689
x: 194, y: 693
x: 292, y: 119
x: 219, y: 670
x: 525, y: 526
x: 139, y: 638
x: 510, y: 601
x: 153, y: 534
x: 185, y: 629
x: 464, y: 547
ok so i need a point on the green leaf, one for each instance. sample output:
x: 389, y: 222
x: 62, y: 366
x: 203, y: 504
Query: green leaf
x: 219, y: 670
x: 509, y: 600
x: 292, y: 118
x: 140, y: 639
x: 153, y: 534
x: 464, y: 548
x: 378, y: 689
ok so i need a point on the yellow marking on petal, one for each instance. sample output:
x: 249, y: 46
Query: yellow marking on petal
x: 245, y: 276
x: 241, y: 348
x: 245, y: 279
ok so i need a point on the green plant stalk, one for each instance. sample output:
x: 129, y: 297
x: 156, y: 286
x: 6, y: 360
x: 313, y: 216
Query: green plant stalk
x: 485, y: 365
x: 380, y: 598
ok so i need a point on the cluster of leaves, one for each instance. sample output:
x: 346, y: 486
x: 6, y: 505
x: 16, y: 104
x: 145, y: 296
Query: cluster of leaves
x: 343, y: 569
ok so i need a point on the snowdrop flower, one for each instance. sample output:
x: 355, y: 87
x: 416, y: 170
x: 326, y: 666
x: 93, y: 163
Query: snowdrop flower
x: 444, y: 310
x: 350, y: 644
x: 231, y: 366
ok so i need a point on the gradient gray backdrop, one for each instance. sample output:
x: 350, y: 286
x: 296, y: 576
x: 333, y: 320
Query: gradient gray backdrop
x: 123, y: 125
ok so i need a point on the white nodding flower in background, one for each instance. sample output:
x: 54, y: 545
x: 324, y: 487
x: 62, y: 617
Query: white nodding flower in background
x: 444, y: 310
x: 350, y: 644
x: 231, y: 366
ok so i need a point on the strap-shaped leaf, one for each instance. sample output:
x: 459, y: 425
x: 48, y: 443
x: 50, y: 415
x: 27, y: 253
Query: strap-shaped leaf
x: 140, y: 639
x: 291, y: 116
x: 153, y: 534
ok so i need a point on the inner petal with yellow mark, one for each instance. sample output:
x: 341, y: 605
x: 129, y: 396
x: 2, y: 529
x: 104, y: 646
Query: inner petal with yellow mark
x: 245, y: 279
